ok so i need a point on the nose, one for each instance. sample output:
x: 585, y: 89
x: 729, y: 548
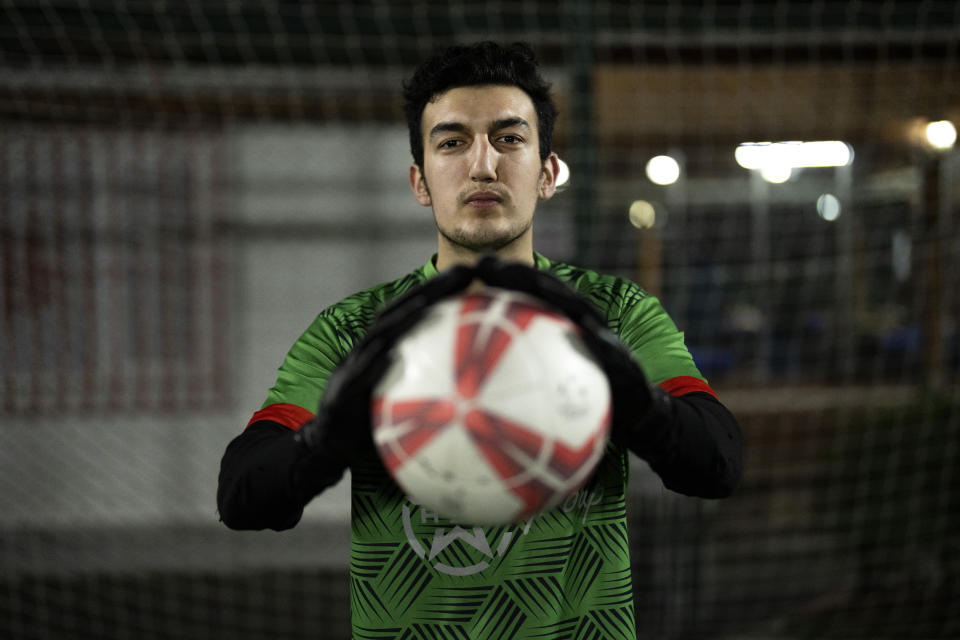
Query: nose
x: 483, y: 160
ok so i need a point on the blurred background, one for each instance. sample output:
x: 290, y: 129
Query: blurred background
x: 183, y: 186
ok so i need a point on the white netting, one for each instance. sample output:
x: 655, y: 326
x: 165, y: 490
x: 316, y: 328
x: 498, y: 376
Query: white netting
x: 183, y: 185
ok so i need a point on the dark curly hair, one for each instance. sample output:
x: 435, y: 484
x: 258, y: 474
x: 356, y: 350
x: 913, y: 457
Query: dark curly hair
x: 477, y: 64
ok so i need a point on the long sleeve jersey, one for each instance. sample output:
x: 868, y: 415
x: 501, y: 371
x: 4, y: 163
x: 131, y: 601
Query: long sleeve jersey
x: 564, y: 573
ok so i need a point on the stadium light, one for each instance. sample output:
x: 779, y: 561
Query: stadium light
x: 663, y: 170
x: 778, y: 159
x: 642, y: 214
x: 941, y: 134
x: 828, y: 207
x: 777, y: 173
x: 563, y: 174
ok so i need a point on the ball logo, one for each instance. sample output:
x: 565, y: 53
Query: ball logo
x: 573, y: 396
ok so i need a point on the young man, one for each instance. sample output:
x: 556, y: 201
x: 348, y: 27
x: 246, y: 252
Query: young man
x: 481, y: 122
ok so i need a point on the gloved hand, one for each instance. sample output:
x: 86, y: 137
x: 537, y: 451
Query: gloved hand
x: 632, y: 398
x: 341, y: 431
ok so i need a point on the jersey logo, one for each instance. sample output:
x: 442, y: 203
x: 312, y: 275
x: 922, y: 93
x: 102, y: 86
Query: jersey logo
x: 476, y: 538
x: 442, y: 538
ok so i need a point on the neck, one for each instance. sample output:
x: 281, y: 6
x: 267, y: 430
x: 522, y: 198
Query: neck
x: 452, y: 255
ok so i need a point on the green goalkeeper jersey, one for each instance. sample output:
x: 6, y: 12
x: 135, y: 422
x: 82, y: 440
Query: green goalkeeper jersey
x: 416, y: 574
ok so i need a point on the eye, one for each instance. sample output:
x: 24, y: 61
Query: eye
x: 450, y: 144
x: 509, y: 138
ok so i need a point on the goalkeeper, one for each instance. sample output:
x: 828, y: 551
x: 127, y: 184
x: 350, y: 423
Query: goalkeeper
x: 481, y: 120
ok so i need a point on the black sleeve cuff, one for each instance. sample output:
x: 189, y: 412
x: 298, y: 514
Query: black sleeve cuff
x: 692, y: 442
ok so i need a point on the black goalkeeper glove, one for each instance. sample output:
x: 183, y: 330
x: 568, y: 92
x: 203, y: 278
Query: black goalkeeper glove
x: 341, y: 433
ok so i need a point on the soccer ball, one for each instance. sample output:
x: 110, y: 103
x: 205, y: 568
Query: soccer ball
x: 493, y: 410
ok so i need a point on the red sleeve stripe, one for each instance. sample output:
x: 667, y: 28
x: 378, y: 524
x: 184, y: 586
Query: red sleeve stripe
x: 293, y: 416
x: 289, y: 415
x: 682, y: 385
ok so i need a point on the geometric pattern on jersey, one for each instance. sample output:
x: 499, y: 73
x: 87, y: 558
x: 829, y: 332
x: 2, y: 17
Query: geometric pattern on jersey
x: 562, y: 574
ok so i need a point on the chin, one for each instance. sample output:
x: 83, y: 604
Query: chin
x: 484, y: 236
x: 483, y: 242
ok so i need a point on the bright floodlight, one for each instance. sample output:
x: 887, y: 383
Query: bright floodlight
x: 824, y: 153
x: 776, y: 173
x: 941, y: 134
x: 563, y: 174
x: 663, y: 170
x: 828, y: 207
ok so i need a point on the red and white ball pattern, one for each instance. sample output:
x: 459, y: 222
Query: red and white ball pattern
x: 493, y: 409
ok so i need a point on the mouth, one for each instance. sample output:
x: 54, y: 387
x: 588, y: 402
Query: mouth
x: 483, y: 199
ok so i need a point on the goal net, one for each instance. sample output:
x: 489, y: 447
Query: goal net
x: 183, y: 186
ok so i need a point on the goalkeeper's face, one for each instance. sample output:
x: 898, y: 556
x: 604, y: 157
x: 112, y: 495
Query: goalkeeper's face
x: 482, y: 172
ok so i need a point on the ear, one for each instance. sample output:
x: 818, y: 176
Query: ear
x: 418, y: 184
x: 548, y: 177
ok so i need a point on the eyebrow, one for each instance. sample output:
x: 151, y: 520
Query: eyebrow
x: 496, y: 125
